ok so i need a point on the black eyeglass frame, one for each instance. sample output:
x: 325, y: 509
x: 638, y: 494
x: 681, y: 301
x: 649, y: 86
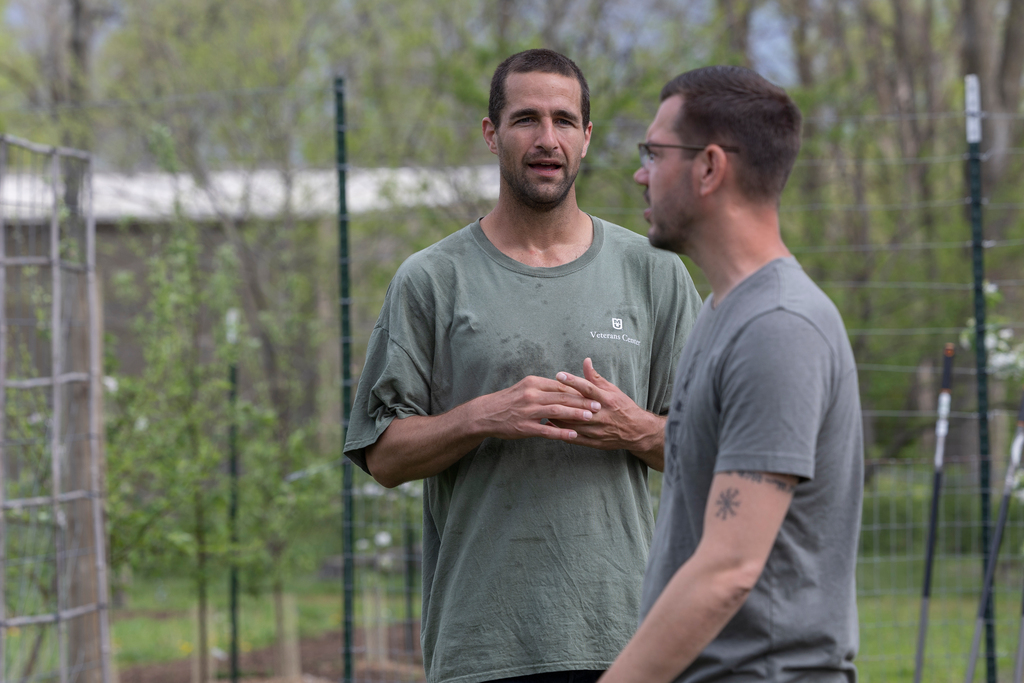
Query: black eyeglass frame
x: 645, y: 149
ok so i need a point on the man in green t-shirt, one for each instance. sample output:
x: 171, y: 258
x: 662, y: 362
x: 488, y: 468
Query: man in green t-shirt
x: 482, y: 377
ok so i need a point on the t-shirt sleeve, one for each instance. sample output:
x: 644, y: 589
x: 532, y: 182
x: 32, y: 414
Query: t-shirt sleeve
x: 676, y: 307
x: 395, y: 381
x: 774, y: 391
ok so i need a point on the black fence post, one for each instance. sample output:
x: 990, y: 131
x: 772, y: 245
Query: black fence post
x: 345, y: 302
x: 232, y: 339
x: 973, y: 108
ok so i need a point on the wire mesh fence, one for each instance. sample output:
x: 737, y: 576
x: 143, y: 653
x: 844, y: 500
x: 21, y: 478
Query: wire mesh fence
x: 883, y: 227
x: 53, y: 623
x: 890, y: 572
x: 388, y: 554
x: 880, y: 225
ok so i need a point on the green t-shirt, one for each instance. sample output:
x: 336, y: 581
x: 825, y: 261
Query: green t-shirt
x: 533, y: 550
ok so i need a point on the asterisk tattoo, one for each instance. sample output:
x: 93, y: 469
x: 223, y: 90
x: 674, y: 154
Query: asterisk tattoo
x: 727, y: 503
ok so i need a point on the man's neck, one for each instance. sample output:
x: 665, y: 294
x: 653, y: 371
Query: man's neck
x: 740, y: 243
x: 539, y: 238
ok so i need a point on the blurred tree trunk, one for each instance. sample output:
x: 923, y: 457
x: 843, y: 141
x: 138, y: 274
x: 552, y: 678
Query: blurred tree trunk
x: 505, y: 10
x: 998, y: 62
x: 77, y: 129
x: 737, y: 15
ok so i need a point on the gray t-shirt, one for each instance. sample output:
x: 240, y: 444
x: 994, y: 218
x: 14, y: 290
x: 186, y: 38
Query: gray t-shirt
x: 767, y: 382
x: 533, y: 550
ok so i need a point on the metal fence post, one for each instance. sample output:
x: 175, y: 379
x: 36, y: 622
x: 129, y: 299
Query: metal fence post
x: 345, y: 302
x: 231, y: 328
x: 973, y: 109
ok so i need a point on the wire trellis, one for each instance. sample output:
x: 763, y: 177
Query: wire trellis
x: 53, y: 616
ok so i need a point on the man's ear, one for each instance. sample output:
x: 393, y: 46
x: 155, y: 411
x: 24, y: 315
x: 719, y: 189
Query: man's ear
x: 586, y: 138
x: 711, y: 165
x: 490, y: 134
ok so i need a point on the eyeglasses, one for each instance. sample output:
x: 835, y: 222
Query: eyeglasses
x: 647, y: 158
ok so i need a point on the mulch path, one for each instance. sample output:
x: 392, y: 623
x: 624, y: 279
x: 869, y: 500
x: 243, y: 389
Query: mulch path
x: 321, y: 662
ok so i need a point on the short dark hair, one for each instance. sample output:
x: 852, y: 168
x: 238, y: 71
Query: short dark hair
x: 734, y: 105
x: 544, y: 61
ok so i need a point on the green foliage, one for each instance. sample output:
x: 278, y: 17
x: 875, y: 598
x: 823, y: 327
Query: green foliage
x: 168, y: 431
x: 284, y: 517
x: 272, y: 270
x: 165, y: 427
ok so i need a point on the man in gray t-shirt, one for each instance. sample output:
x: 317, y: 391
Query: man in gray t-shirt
x: 537, y: 518
x: 751, y: 571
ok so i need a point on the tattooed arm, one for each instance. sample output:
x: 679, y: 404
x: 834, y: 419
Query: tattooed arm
x: 743, y: 516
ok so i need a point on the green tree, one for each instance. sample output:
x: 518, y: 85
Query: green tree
x: 166, y: 434
x: 280, y: 282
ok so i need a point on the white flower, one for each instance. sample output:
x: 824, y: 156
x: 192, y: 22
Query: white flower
x: 372, y: 489
x: 110, y: 383
x: 382, y: 539
x: 1018, y: 485
x: 412, y: 488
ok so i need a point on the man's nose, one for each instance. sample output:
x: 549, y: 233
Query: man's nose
x: 641, y: 176
x: 546, y: 137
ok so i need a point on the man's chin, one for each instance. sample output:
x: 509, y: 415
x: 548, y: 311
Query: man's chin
x: 659, y: 240
x: 547, y: 201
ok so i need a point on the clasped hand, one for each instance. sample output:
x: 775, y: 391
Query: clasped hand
x: 588, y: 410
x: 619, y: 422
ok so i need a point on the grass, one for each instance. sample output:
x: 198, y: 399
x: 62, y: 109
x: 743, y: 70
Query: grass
x: 888, y: 633
x: 889, y: 605
x: 159, y: 626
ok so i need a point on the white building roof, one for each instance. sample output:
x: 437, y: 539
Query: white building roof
x: 152, y: 197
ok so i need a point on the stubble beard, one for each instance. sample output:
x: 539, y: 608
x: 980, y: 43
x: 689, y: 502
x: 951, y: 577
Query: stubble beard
x: 535, y: 196
x: 674, y: 238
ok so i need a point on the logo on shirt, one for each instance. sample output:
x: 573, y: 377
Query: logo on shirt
x: 617, y: 325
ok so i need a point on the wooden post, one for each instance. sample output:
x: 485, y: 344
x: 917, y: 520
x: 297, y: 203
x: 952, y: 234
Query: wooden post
x: 291, y: 659
x: 85, y: 546
x: 375, y: 625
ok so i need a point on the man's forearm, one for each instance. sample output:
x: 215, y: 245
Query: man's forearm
x: 418, y: 446
x: 421, y: 446
x: 742, y: 519
x: 696, y: 604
